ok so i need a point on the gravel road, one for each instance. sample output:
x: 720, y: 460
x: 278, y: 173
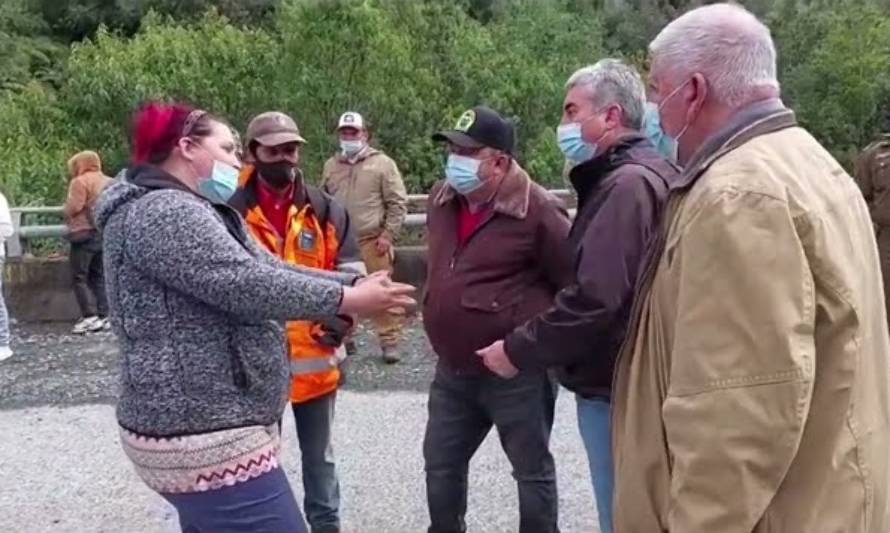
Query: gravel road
x: 63, y: 469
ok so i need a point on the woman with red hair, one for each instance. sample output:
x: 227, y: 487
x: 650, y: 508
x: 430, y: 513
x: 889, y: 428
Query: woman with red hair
x: 198, y: 310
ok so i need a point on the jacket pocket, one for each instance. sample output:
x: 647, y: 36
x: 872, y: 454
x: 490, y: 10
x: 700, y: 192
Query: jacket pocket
x: 489, y: 301
x: 259, y: 355
x: 205, y: 358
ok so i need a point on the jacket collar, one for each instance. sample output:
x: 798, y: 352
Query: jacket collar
x: 585, y: 176
x: 757, y: 119
x: 154, y: 177
x: 511, y: 198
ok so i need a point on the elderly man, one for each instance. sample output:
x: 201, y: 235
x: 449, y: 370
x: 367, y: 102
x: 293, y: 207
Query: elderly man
x: 368, y: 183
x: 497, y: 256
x: 622, y: 183
x: 752, y: 392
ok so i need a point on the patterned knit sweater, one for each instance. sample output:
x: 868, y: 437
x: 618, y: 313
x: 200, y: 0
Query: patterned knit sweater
x: 197, y: 308
x: 198, y: 463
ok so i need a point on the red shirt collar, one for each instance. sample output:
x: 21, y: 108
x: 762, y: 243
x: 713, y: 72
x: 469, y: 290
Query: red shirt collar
x: 267, y: 196
x: 275, y: 204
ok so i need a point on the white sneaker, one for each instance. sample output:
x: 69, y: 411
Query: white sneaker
x: 5, y: 353
x: 99, y: 325
x: 90, y: 323
x: 106, y: 324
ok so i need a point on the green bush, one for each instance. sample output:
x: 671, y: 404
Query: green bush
x: 410, y: 66
x: 836, y: 74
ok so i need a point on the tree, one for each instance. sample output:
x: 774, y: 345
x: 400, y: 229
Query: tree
x: 75, y: 20
x: 28, y: 52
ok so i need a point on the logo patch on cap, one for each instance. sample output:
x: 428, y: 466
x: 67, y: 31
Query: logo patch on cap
x: 348, y: 118
x: 465, y: 122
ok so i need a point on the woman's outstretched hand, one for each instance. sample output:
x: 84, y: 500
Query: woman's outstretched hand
x: 375, y: 294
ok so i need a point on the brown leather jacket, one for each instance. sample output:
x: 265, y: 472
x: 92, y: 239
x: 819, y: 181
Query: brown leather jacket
x: 506, y: 273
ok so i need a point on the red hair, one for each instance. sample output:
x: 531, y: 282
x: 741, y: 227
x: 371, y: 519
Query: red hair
x: 158, y: 127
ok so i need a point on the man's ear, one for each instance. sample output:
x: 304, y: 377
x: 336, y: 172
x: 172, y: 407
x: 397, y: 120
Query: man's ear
x: 613, y: 117
x: 504, y: 162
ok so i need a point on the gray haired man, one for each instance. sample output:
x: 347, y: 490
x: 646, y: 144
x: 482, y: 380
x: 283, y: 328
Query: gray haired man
x: 752, y: 394
x: 622, y: 183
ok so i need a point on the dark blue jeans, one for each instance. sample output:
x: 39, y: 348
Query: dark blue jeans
x: 261, y: 505
x: 462, y: 410
x: 314, y: 420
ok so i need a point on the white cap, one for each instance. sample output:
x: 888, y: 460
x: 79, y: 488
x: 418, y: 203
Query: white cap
x: 351, y: 119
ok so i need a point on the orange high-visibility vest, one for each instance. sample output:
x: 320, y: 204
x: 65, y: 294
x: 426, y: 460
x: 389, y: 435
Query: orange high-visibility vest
x: 313, y: 243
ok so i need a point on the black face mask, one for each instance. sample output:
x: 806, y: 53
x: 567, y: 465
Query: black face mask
x: 279, y: 174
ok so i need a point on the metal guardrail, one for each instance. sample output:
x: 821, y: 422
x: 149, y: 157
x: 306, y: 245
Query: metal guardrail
x: 19, y: 244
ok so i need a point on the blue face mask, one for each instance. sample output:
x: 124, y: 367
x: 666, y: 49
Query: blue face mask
x: 575, y: 148
x: 664, y: 143
x: 462, y: 173
x: 221, y: 184
x: 672, y: 143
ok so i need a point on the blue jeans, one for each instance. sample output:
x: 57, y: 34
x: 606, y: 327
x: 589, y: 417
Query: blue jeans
x: 593, y: 421
x: 314, y: 420
x: 263, y: 504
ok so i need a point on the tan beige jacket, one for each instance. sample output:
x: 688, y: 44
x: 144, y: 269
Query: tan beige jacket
x: 752, y: 392
x: 87, y: 181
x: 372, y: 190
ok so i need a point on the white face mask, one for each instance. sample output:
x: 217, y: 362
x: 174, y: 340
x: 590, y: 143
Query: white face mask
x: 350, y: 148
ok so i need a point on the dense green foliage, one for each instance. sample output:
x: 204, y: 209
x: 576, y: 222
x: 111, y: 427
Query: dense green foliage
x: 78, y: 68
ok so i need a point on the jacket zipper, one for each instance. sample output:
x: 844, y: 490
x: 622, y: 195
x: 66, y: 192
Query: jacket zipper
x: 460, y: 247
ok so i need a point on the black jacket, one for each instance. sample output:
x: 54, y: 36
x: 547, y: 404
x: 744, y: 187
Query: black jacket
x: 621, y: 196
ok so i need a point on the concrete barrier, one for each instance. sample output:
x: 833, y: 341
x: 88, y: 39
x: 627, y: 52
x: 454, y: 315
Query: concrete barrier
x: 39, y: 289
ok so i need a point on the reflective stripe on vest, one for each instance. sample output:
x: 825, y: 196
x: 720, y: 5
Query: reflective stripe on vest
x: 310, y: 365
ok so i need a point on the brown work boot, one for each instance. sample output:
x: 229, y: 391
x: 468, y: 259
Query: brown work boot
x: 390, y: 356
